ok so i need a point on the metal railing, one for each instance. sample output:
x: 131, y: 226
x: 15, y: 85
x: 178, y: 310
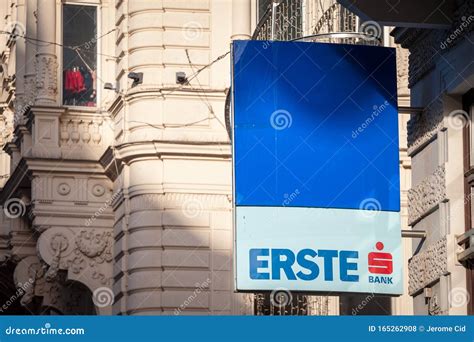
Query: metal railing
x: 309, y: 20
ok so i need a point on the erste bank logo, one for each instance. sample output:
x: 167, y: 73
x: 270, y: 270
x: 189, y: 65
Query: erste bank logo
x: 310, y: 264
x: 380, y: 263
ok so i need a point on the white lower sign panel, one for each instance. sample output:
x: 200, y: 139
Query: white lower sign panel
x: 320, y: 250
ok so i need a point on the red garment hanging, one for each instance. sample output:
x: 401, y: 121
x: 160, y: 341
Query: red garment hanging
x: 74, y: 81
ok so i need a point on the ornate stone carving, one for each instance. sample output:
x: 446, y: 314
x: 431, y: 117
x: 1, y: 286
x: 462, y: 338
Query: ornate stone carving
x: 98, y: 190
x: 86, y: 253
x: 422, y: 57
x: 402, y: 71
x: 46, y: 78
x: 96, y: 246
x: 32, y: 280
x: 58, y: 244
x: 29, y: 271
x: 434, y: 308
x: 428, y: 266
x: 64, y: 189
x: 426, y: 195
x: 30, y: 88
x: 424, y: 126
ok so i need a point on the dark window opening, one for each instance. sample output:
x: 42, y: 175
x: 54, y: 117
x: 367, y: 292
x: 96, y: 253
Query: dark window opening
x: 365, y: 304
x: 80, y: 55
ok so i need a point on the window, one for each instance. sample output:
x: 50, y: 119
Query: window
x: 79, y: 55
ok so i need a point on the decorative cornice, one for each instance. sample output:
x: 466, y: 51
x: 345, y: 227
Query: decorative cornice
x: 157, y: 149
x: 178, y: 201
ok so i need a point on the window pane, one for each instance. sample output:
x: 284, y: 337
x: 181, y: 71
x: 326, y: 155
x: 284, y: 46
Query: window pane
x: 79, y: 55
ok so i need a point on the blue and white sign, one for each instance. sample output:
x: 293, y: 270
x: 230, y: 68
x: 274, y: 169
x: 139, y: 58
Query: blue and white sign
x: 316, y: 168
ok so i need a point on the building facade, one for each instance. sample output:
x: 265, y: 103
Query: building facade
x: 439, y: 37
x: 116, y: 163
x: 117, y: 201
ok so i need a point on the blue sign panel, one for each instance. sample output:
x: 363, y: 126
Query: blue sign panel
x: 320, y: 118
x: 316, y: 167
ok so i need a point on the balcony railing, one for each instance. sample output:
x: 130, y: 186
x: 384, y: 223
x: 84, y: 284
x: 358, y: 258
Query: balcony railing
x: 309, y: 20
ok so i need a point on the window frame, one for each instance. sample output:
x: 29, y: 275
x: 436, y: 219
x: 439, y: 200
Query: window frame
x: 97, y: 6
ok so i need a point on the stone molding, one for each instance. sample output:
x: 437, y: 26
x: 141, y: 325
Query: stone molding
x: 424, y: 197
x: 180, y: 200
x: 428, y: 266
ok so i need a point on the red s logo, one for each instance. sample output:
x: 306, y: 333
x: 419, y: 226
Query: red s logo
x: 379, y: 262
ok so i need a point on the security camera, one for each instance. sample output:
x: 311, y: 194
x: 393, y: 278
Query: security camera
x: 137, y: 78
x: 181, y: 78
x: 110, y: 86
